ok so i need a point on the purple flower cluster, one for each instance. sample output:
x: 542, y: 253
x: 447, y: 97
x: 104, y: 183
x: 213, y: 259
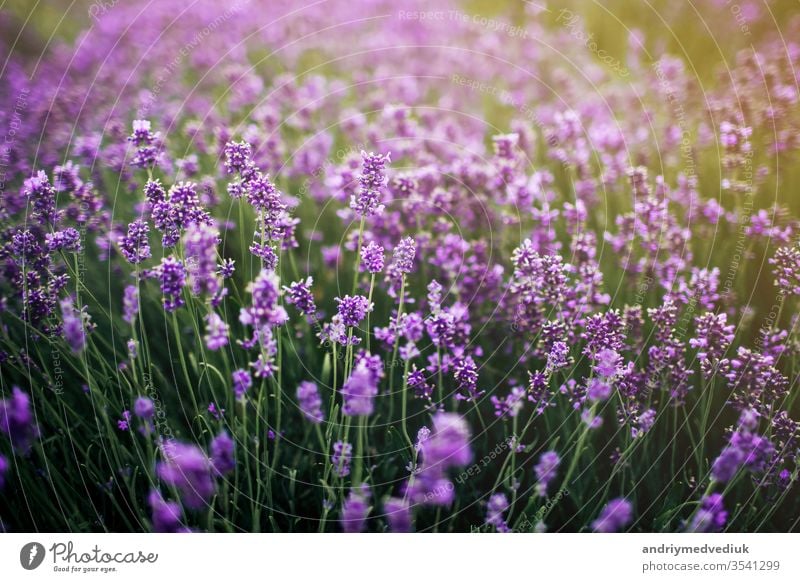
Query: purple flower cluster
x: 223, y: 453
x: 179, y: 208
x: 172, y: 276
x: 448, y: 445
x: 786, y: 268
x: 371, y: 182
x: 353, y: 310
x: 299, y: 294
x: 242, y: 382
x: 146, y: 143
x: 545, y: 471
x: 355, y: 510
x: 710, y: 516
x: 359, y: 391
x: 189, y: 470
x: 372, y: 257
x: 398, y: 514
x: 745, y: 450
x: 495, y: 508
x: 167, y: 516
x: 17, y: 421
x: 341, y: 458
x: 616, y: 515
x: 135, y: 246
x: 200, y: 252
x: 310, y: 402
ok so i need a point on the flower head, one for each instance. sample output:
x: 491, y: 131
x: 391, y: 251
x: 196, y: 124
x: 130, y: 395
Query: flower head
x: 359, y: 392
x: 242, y: 382
x: 372, y: 182
x: 342, y: 456
x: 16, y: 420
x: 299, y: 294
x: 166, y: 515
x: 372, y: 257
x: 355, y: 510
x: 216, y: 336
x: 353, y: 309
x: 187, y: 468
x: 134, y: 246
x: 495, y: 508
x: 144, y: 408
x: 545, y: 471
x: 172, y: 276
x: 310, y: 402
x: 710, y: 516
x: 398, y: 514
x: 223, y: 450
x: 130, y: 303
x: 617, y: 514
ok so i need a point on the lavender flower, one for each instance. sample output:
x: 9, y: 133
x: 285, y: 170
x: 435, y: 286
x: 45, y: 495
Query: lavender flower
x: 372, y: 257
x: 712, y: 339
x: 265, y: 198
x: 546, y: 471
x: 223, y: 450
x: 353, y: 310
x: 124, y: 423
x: 134, y: 246
x: 359, y: 392
x: 710, y: 516
x: 786, y: 269
x: 237, y: 156
x: 355, y: 510
x: 144, y: 408
x: 403, y: 257
x: 448, y: 444
x: 372, y: 181
x: 227, y: 268
x: 130, y: 303
x: 495, y: 508
x: 299, y: 294
x: 745, y: 450
x: 510, y: 405
x: 342, y: 456
x: 146, y: 143
x: 398, y: 514
x: 68, y: 240
x: 188, y: 469
x: 200, y: 249
x: 172, y: 276
x: 166, y: 515
x: 264, y: 366
x: 3, y: 471
x: 74, y: 331
x: 242, y: 382
x: 154, y: 193
x: 418, y: 382
x: 606, y: 363
x: 216, y: 336
x: 465, y: 373
x: 558, y: 357
x: 598, y: 389
x: 264, y: 310
x: 617, y: 514
x: 16, y: 420
x: 42, y: 195
x: 309, y: 401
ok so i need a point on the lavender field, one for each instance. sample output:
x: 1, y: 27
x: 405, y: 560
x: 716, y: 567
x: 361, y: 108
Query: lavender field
x: 369, y: 266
